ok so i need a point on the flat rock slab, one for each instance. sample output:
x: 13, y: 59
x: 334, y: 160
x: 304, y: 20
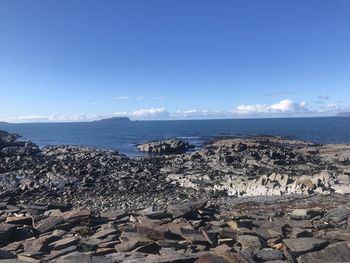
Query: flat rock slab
x: 268, y: 254
x: 337, y: 215
x: 339, y: 252
x: 104, y: 233
x: 249, y: 243
x: 214, y: 259
x: 13, y: 260
x: 305, y: 214
x: 189, y: 258
x: 132, y: 244
x: 20, y: 220
x: 76, y: 215
x: 49, y: 223
x: 37, y: 245
x: 63, y: 243
x: 337, y: 235
x: 78, y: 257
x: 185, y: 209
x: 298, y: 246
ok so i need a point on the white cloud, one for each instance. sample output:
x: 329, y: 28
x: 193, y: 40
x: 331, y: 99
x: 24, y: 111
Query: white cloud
x: 27, y: 118
x: 130, y: 98
x: 67, y: 117
x: 282, y: 107
x: 152, y: 113
x: 331, y: 107
x: 122, y: 98
x: 200, y: 114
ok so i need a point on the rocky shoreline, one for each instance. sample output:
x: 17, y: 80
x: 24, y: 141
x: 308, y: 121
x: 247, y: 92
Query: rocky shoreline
x: 260, y: 199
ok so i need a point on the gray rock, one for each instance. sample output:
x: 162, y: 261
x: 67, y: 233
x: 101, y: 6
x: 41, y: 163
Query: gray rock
x: 298, y: 246
x: 249, y: 243
x: 267, y: 254
x: 184, y: 209
x: 6, y: 231
x: 339, y: 252
x: 81, y: 257
x: 166, y: 147
x: 305, y: 214
x: 63, y: 243
x: 49, y: 223
x: 336, y: 215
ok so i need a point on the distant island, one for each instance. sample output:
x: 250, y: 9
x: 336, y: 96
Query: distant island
x: 114, y: 119
x: 344, y: 114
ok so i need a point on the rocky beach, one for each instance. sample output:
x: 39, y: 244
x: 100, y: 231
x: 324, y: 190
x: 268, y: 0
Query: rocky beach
x: 252, y: 199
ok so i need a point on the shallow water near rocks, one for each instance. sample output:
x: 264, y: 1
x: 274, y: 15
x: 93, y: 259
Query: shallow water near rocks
x: 124, y: 136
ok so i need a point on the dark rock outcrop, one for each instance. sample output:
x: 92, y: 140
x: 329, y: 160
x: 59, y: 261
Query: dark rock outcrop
x: 166, y: 147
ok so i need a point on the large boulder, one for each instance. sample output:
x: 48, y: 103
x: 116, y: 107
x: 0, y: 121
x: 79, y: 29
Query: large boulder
x: 166, y: 147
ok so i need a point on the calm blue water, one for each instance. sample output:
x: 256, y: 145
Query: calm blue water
x: 123, y: 136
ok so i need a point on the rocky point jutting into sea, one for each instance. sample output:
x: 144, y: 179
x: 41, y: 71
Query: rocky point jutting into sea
x: 257, y: 199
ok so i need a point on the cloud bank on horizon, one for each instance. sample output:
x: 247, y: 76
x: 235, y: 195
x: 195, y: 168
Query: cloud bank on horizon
x: 283, y: 108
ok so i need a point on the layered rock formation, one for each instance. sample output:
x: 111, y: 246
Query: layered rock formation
x: 76, y: 204
x: 192, y: 232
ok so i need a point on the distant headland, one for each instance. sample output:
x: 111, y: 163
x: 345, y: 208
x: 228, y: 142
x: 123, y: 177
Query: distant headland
x: 343, y: 114
x: 114, y: 119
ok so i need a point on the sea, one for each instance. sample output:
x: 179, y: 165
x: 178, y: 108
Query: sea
x: 123, y: 136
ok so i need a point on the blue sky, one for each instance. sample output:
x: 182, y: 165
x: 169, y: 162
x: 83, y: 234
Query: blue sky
x: 63, y: 60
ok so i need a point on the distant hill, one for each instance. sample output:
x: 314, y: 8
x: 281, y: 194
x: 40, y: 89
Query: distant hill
x: 114, y: 119
x: 3, y: 122
x: 344, y: 114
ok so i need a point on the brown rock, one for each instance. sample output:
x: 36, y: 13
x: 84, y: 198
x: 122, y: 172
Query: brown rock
x: 185, y: 209
x: 76, y: 215
x: 132, y: 244
x: 20, y: 220
x: 215, y: 259
x: 152, y: 231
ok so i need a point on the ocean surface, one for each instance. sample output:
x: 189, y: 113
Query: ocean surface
x: 124, y: 136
